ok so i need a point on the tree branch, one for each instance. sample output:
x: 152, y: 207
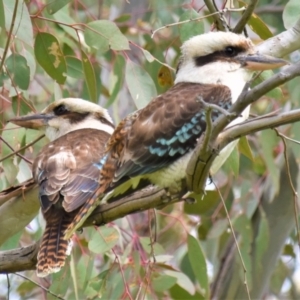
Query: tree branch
x: 239, y: 27
x: 24, y: 258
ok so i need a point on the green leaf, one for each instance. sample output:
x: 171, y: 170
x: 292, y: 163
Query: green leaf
x: 190, y: 29
x: 61, y: 281
x: 202, y: 205
x: 74, y: 67
x: 50, y: 57
x: 104, y: 239
x: 275, y: 93
x: 21, y: 107
x: 244, y: 148
x: 116, y: 79
x: 18, y: 70
x: 104, y: 35
x: 63, y: 16
x: 140, y: 84
x: 268, y: 141
x: 157, y: 248
x: 177, y: 292
x: 233, y: 162
x: 291, y: 13
x: 89, y: 75
x: 123, y: 18
x: 259, y: 27
x: 288, y: 250
x: 182, y: 280
x: 56, y: 5
x: 10, y: 171
x: 261, y: 241
x: 163, y: 282
x: 2, y: 15
x: 148, y: 55
x: 22, y: 23
x: 30, y: 62
x: 218, y: 228
x: 99, y: 283
x: 243, y: 226
x: 26, y: 287
x: 198, y: 263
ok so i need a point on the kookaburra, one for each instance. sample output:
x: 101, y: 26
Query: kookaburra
x: 156, y: 142
x: 67, y: 169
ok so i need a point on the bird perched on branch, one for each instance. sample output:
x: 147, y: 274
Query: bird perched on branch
x: 67, y: 169
x: 156, y: 142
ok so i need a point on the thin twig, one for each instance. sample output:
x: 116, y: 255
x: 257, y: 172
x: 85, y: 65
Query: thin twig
x: 215, y: 14
x: 197, y: 19
x: 15, y: 152
x: 123, y: 276
x: 235, y: 239
x: 8, y: 286
x: 296, y: 213
x: 13, y: 19
x: 37, y: 284
x: 23, y: 148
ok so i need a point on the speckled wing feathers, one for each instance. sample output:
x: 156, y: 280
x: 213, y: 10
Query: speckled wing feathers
x: 68, y: 173
x: 166, y: 129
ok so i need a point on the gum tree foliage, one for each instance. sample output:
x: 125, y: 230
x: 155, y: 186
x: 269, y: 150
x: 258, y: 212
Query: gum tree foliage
x: 103, y: 51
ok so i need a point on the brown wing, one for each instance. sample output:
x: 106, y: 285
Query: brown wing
x: 167, y: 128
x: 68, y: 168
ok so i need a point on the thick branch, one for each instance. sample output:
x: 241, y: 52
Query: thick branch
x: 150, y: 197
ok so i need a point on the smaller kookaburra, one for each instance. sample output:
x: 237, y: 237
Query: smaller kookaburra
x: 156, y: 142
x: 67, y: 169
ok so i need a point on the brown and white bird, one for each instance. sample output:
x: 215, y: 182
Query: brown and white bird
x: 156, y: 142
x: 67, y: 169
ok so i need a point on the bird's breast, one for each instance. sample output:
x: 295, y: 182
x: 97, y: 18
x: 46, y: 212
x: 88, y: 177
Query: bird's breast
x: 172, y: 175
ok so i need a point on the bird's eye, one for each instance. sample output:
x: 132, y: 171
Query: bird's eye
x: 60, y: 110
x: 230, y: 51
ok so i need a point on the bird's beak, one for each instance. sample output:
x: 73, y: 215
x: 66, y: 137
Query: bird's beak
x: 35, y: 121
x: 259, y: 62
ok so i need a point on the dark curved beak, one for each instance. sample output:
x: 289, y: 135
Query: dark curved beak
x: 259, y: 62
x: 35, y: 121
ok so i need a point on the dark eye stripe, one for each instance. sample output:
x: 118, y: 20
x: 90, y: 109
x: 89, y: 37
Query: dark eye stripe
x: 223, y: 55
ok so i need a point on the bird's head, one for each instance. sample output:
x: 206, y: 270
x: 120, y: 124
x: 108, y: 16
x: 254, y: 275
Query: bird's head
x: 65, y: 115
x: 222, y: 57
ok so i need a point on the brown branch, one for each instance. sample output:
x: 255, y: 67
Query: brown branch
x: 150, y: 197
x: 21, y: 149
x: 15, y: 152
x: 217, y: 17
x: 239, y: 27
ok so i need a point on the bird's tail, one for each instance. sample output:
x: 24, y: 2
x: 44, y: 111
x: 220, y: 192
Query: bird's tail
x: 54, y: 248
x: 83, y: 214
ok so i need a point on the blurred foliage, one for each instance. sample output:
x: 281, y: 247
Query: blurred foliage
x: 103, y: 51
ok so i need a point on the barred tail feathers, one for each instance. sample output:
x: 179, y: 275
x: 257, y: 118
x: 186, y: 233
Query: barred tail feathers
x: 54, y: 248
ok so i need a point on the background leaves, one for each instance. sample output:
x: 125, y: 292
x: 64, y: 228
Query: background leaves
x: 103, y: 51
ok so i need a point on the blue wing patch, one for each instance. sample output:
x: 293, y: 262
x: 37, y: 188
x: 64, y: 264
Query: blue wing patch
x: 179, y: 143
